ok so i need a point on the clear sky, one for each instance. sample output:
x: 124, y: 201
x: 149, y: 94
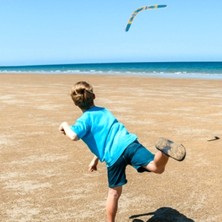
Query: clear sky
x: 86, y: 31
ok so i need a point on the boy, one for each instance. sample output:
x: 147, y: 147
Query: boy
x: 111, y: 143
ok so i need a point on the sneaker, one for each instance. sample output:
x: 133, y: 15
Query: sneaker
x: 171, y: 149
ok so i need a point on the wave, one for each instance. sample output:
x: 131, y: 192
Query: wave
x: 209, y: 70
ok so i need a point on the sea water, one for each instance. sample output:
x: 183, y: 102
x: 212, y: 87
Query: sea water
x: 200, y: 70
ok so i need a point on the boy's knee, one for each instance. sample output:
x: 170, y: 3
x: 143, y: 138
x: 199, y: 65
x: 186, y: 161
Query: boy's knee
x: 160, y: 170
x: 156, y: 169
x: 115, y: 194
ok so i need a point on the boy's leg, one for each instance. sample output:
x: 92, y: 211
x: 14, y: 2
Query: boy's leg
x: 112, y: 203
x: 158, y: 164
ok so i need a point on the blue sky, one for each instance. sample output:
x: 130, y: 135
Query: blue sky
x: 88, y: 31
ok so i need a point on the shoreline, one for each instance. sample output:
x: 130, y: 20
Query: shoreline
x: 97, y: 74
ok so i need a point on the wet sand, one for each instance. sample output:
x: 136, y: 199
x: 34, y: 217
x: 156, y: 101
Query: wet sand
x: 44, y: 177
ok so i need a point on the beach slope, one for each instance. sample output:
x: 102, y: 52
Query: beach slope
x: 44, y: 177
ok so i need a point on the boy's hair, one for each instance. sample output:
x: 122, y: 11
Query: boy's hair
x: 82, y: 95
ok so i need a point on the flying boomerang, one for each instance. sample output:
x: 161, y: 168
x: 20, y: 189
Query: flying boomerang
x: 134, y: 14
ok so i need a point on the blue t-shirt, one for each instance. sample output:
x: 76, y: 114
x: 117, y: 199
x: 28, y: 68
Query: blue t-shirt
x: 105, y: 136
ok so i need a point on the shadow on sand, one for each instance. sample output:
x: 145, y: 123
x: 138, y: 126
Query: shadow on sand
x: 163, y: 214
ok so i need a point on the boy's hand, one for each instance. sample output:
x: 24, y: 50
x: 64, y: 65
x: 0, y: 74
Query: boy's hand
x: 65, y: 129
x: 93, y: 164
x: 61, y: 127
x: 62, y: 131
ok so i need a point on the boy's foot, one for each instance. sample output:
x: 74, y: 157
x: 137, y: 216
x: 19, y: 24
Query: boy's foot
x: 171, y: 149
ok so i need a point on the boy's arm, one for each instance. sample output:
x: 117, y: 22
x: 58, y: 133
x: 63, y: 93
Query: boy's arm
x: 66, y: 130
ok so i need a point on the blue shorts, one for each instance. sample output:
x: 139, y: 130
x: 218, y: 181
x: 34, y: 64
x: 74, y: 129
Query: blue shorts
x: 135, y: 155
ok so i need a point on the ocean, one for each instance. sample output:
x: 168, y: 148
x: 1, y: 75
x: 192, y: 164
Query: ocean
x: 199, y: 70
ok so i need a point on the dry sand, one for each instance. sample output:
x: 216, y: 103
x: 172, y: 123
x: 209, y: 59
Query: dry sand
x: 44, y: 177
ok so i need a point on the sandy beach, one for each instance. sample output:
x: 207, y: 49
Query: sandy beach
x: 44, y: 176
